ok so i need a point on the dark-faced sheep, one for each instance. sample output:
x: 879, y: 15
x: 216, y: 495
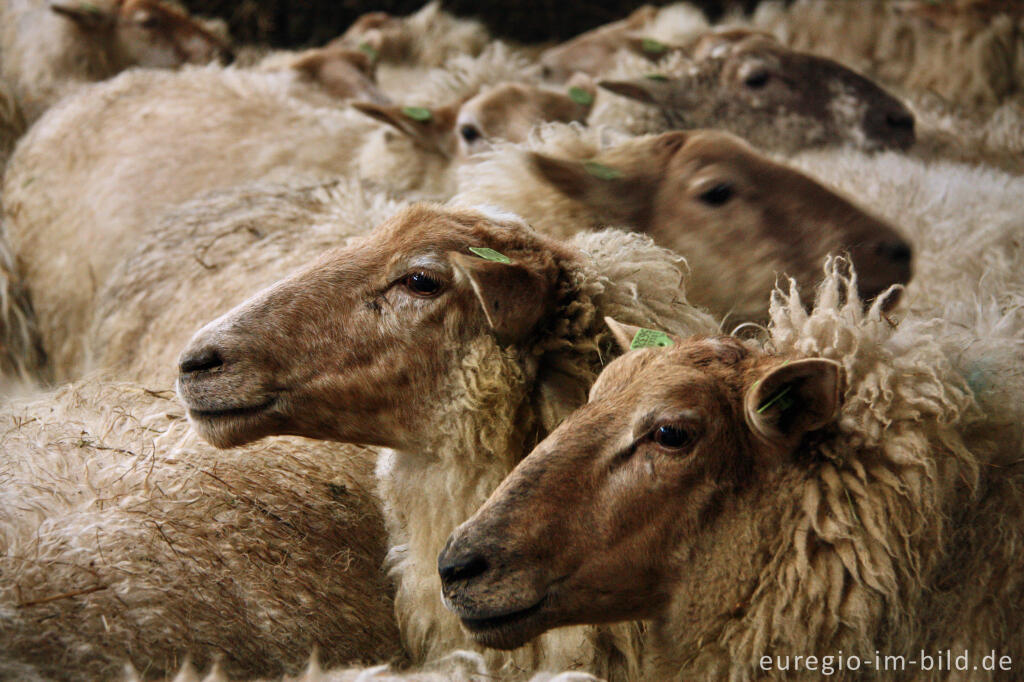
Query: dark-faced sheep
x: 837, y: 494
x: 493, y: 328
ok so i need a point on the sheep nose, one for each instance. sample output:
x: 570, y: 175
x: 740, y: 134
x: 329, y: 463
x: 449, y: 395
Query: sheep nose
x: 455, y: 567
x: 202, y: 359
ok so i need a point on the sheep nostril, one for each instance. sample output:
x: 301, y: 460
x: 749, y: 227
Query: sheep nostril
x: 897, y: 252
x: 900, y: 121
x: 201, y: 360
x: 461, y: 568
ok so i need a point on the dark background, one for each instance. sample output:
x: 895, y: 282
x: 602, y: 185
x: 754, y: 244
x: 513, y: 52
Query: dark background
x: 287, y: 23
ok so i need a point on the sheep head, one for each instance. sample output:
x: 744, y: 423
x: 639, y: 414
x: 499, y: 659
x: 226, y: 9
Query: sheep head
x: 148, y: 33
x: 507, y: 111
x: 654, y: 492
x: 369, y: 344
x: 728, y: 209
x: 775, y: 98
x: 594, y: 51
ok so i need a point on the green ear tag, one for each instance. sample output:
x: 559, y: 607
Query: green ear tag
x: 580, y: 96
x: 655, y: 77
x: 652, y: 46
x: 421, y: 114
x: 369, y: 51
x: 780, y: 398
x: 490, y: 254
x: 650, y: 338
x: 599, y: 170
x: 90, y: 8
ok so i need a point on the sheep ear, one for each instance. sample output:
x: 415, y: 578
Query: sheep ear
x: 514, y: 297
x: 793, y: 399
x: 431, y: 128
x: 615, y: 194
x: 622, y: 332
x: 342, y: 72
x: 582, y: 91
x: 85, y: 15
x: 652, y: 90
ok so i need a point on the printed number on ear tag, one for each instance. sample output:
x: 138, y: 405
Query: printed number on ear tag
x: 650, y: 338
x: 580, y: 96
x: 490, y: 254
x: 421, y: 114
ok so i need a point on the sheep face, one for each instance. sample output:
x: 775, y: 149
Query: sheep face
x: 504, y: 112
x: 594, y: 51
x: 148, y: 33
x: 709, y: 196
x: 368, y: 343
x: 629, y: 503
x: 776, y: 98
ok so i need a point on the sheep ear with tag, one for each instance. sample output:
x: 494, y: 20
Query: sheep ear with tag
x: 514, y: 296
x: 430, y: 128
x: 793, y: 399
x: 623, y: 333
x: 85, y: 15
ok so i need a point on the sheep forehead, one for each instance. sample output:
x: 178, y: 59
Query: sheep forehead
x: 426, y: 228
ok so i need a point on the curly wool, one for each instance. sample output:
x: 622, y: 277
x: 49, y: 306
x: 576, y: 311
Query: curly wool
x: 869, y: 532
x: 503, y: 402
x: 125, y: 540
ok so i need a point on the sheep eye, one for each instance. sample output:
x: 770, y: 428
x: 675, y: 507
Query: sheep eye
x: 671, y: 437
x: 421, y: 284
x: 756, y: 80
x: 717, y: 195
x: 470, y: 133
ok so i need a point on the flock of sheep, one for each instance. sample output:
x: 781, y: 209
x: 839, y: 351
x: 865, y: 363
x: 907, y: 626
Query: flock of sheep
x: 651, y: 355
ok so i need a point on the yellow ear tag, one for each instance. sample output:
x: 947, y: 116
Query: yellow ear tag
x: 599, y: 170
x: 650, y: 338
x: 421, y: 114
x: 580, y: 96
x: 652, y: 46
x: 369, y: 51
x: 490, y: 254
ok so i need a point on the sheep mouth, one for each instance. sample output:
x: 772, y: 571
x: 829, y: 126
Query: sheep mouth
x: 232, y: 412
x: 508, y: 630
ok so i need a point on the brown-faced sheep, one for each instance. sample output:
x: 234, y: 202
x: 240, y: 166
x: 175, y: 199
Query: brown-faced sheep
x: 496, y: 344
x: 739, y: 218
x: 774, y: 97
x: 122, y: 539
x: 50, y: 47
x: 73, y: 217
x: 834, y: 496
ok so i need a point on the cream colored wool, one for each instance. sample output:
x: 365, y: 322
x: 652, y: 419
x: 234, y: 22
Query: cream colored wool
x: 904, y: 531
x: 124, y: 539
x: 965, y: 223
x: 478, y: 443
x: 12, y: 123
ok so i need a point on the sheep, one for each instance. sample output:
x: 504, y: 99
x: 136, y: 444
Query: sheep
x: 50, y: 47
x: 774, y: 97
x: 124, y: 540
x: 705, y: 194
x: 495, y: 353
x: 12, y: 122
x: 967, y: 52
x: 428, y: 37
x: 833, y: 493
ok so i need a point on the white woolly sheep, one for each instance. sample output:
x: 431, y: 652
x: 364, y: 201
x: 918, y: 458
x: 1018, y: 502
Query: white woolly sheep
x: 50, y: 47
x: 122, y: 539
x: 834, y: 496
x: 705, y: 194
x: 494, y: 354
x: 751, y: 85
